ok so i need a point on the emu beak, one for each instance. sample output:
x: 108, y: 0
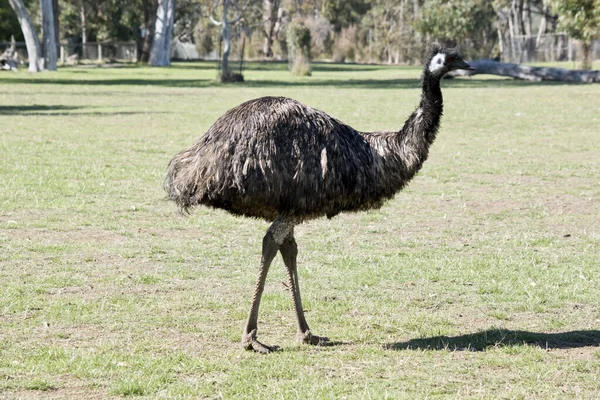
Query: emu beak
x: 463, y: 65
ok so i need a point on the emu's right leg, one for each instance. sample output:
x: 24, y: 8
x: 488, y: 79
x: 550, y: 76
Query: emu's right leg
x: 289, y: 252
x: 271, y: 243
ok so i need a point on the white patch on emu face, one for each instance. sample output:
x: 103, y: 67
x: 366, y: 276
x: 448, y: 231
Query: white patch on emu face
x: 437, y: 62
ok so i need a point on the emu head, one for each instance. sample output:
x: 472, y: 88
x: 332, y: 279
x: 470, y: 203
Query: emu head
x: 443, y: 60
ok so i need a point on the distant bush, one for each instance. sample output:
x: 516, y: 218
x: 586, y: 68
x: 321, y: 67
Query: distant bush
x: 298, y: 43
x: 345, y: 45
x: 321, y: 32
x: 204, y: 37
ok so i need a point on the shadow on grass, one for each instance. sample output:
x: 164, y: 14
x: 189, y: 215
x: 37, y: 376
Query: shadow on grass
x: 204, y: 83
x: 34, y: 109
x: 390, y: 84
x: 502, y: 338
x: 280, y: 66
x: 303, y: 347
x: 54, y: 110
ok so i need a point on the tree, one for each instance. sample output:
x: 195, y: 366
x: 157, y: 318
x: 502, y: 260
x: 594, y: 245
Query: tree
x: 272, y: 16
x: 9, y: 25
x: 83, y: 25
x: 388, y: 31
x: 56, y: 14
x: 298, y: 43
x: 34, y: 51
x: 460, y: 21
x: 149, y: 8
x: 580, y: 19
x: 48, y: 35
x: 231, y: 12
x: 343, y: 13
x: 514, y: 24
x: 160, y: 55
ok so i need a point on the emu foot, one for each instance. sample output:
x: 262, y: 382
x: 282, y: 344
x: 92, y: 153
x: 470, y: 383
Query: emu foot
x: 250, y: 342
x: 309, y: 338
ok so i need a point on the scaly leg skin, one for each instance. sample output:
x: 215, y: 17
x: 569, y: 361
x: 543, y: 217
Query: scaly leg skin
x: 289, y: 252
x: 271, y: 243
x: 250, y: 342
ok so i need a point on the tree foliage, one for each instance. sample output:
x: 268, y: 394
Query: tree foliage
x: 343, y: 13
x: 298, y: 43
x: 579, y: 18
x: 458, y: 21
x: 105, y: 19
x: 392, y: 31
x: 9, y: 24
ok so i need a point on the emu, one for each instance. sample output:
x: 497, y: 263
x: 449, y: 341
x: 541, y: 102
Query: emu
x: 277, y: 159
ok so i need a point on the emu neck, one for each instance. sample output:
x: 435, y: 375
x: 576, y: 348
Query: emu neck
x: 420, y: 129
x: 423, y: 124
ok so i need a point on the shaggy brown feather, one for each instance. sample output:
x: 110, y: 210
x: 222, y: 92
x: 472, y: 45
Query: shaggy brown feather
x: 276, y: 157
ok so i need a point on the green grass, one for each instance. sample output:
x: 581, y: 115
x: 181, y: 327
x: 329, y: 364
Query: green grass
x: 480, y: 280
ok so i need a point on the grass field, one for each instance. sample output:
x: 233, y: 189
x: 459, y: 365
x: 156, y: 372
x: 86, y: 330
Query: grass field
x: 480, y: 280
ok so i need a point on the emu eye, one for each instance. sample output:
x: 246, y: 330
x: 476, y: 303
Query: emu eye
x: 439, y: 61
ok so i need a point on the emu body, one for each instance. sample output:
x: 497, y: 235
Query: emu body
x: 277, y: 159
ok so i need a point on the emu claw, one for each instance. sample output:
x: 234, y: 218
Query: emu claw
x: 250, y: 342
x: 309, y: 338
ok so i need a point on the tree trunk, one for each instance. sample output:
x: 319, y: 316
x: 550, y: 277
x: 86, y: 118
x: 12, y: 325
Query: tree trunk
x: 528, y: 20
x: 517, y: 29
x: 150, y: 10
x: 501, y: 43
x: 226, y: 33
x: 416, y: 9
x: 56, y: 13
x: 271, y: 16
x: 542, y: 28
x: 160, y: 55
x: 36, y: 62
x: 83, y: 32
x: 528, y: 73
x: 48, y: 35
x: 585, y: 56
x: 529, y: 43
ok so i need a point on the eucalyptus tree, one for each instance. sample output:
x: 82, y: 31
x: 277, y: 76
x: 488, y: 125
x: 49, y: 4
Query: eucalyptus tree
x: 273, y: 11
x: 160, y: 55
x: 34, y: 49
x: 388, y: 31
x: 48, y: 35
x: 580, y: 19
x: 9, y: 25
x: 226, y: 14
x: 461, y: 21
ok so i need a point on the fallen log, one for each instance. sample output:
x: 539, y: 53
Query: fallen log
x: 8, y: 65
x: 8, y: 59
x: 527, y: 72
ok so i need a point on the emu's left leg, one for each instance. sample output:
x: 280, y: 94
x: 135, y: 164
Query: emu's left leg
x: 289, y: 252
x: 249, y: 341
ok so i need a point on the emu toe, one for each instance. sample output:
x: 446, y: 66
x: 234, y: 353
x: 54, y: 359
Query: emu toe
x: 250, y: 342
x: 309, y: 338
